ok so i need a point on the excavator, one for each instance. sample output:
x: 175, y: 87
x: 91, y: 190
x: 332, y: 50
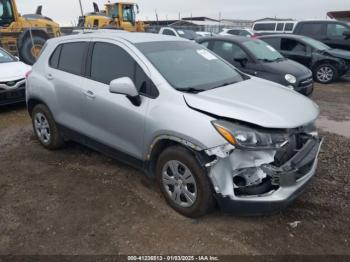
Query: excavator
x: 119, y: 15
x: 24, y: 36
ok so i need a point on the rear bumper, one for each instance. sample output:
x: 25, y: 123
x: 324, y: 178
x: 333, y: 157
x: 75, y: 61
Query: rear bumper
x: 12, y: 96
x: 291, y: 180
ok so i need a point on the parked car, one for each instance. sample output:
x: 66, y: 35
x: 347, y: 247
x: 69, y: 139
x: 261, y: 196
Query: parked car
x: 204, y: 34
x: 187, y: 34
x: 203, y: 129
x: 12, y: 79
x: 274, y: 27
x: 247, y: 32
x: 327, y: 64
x: 257, y: 58
x: 335, y: 34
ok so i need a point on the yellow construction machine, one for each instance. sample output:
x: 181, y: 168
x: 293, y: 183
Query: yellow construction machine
x: 120, y: 15
x: 24, y: 36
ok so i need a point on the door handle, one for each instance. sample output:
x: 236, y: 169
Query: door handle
x: 49, y: 76
x: 89, y: 94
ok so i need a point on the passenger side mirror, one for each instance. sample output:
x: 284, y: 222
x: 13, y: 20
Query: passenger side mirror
x: 242, y: 60
x: 346, y: 34
x: 125, y: 86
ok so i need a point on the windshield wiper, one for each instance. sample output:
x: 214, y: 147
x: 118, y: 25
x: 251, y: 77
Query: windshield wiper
x: 190, y: 90
x: 224, y: 84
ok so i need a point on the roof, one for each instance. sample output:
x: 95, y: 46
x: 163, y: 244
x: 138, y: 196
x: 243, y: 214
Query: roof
x: 133, y: 38
x: 200, y: 18
x: 283, y: 35
x: 340, y: 15
x: 228, y: 38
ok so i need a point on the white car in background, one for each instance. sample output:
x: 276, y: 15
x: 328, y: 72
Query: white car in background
x: 12, y: 78
x: 247, y: 32
x: 204, y: 34
x: 184, y: 33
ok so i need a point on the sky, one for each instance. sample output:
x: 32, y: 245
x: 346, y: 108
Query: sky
x: 66, y: 12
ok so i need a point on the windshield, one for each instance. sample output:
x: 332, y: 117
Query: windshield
x: 188, y: 66
x: 188, y: 34
x: 5, y: 57
x: 315, y: 44
x: 262, y: 51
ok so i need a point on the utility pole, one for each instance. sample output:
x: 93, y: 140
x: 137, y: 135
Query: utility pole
x: 81, y: 8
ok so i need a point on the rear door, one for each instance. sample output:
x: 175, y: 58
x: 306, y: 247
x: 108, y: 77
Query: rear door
x: 111, y: 119
x: 316, y: 30
x: 65, y: 71
x: 335, y: 37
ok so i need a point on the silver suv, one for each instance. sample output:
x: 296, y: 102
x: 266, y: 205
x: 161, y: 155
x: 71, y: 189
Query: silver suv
x: 205, y: 131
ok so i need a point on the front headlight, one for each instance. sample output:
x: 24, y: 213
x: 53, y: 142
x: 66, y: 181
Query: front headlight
x: 290, y: 78
x: 249, y: 138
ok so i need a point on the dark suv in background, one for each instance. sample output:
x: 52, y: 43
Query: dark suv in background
x: 335, y: 34
x: 327, y: 64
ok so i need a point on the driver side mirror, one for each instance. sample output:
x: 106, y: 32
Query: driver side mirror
x: 125, y: 86
x: 242, y: 60
x: 346, y: 34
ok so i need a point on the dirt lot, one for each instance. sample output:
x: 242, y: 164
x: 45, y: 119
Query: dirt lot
x: 76, y: 201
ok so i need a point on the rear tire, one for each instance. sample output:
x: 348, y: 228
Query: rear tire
x: 325, y: 73
x: 184, y: 183
x: 45, y: 128
x: 28, y: 53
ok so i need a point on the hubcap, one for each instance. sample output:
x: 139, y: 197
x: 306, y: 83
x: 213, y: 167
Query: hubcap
x: 179, y: 183
x: 42, y: 128
x: 36, y: 49
x: 325, y: 74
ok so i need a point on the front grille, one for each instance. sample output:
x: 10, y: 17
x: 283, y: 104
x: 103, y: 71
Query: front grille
x: 15, y: 95
x: 11, y: 83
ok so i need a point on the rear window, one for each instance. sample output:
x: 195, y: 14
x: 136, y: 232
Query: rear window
x: 280, y: 27
x: 289, y: 27
x: 72, y: 56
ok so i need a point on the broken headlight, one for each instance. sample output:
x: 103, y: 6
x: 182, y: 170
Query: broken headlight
x: 249, y: 138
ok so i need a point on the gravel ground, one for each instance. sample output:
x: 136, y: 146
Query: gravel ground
x: 77, y: 201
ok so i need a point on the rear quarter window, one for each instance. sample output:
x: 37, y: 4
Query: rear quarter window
x: 54, y: 59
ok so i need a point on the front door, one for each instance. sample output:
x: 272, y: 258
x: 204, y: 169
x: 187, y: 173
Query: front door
x: 112, y: 119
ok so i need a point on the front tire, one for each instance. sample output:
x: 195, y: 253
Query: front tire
x: 30, y: 53
x: 45, y: 128
x: 325, y: 73
x: 184, y: 183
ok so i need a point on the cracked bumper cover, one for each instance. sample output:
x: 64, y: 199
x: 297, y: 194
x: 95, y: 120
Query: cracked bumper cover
x: 289, y: 178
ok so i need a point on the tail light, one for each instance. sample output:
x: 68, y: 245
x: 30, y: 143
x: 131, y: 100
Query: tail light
x: 28, y: 74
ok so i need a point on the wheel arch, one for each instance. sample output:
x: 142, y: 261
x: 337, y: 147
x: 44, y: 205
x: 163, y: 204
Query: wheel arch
x: 32, y: 102
x: 163, y: 142
x: 332, y: 62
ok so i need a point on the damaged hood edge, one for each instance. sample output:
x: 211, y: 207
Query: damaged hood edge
x: 258, y: 102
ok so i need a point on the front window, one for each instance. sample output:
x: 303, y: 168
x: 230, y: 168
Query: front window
x: 336, y: 30
x: 315, y: 44
x: 129, y: 13
x: 262, y: 51
x: 5, y: 57
x: 189, y: 67
x: 6, y: 14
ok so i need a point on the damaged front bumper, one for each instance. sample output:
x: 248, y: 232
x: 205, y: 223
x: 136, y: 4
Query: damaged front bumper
x: 263, y: 187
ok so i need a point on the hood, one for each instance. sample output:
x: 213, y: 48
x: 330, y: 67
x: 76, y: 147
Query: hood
x: 258, y: 102
x: 287, y: 66
x: 339, y: 53
x: 13, y: 71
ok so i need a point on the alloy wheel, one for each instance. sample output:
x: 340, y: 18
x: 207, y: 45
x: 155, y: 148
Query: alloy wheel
x: 325, y: 74
x: 42, y: 128
x: 179, y: 183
